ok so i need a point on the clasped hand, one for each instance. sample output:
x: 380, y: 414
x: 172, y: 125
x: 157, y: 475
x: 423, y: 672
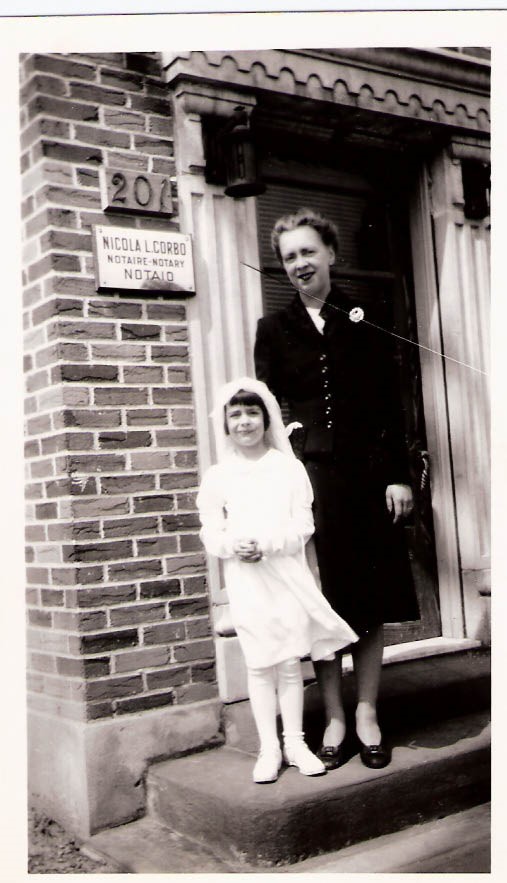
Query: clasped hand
x: 247, y: 550
x: 399, y: 500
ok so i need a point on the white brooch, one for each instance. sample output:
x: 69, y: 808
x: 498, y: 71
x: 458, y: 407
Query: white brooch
x: 356, y: 314
x: 292, y: 426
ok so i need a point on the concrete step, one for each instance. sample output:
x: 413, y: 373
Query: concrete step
x: 413, y: 692
x: 148, y: 847
x: 457, y: 844
x: 211, y: 797
x: 206, y: 815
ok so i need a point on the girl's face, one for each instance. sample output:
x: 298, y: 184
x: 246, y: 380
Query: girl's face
x: 246, y: 426
x: 307, y: 262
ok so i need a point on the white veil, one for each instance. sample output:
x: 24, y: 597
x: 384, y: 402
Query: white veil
x: 276, y: 434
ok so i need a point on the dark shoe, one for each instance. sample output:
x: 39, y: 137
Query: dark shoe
x: 375, y: 757
x: 332, y: 756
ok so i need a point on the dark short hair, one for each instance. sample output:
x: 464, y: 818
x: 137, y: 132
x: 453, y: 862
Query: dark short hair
x: 305, y: 217
x: 244, y: 397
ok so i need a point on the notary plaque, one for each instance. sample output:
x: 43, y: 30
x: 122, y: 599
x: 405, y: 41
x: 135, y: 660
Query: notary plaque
x: 128, y: 258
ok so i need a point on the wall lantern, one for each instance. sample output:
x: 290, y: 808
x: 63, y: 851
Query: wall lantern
x: 476, y: 176
x: 240, y: 160
x: 230, y: 155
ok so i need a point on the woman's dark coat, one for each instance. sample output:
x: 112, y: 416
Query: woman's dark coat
x: 342, y: 387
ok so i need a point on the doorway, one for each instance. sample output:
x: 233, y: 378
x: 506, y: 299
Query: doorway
x: 366, y: 193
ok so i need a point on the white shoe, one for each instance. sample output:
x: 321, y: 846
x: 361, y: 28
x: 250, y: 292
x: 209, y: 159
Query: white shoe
x: 298, y: 754
x: 268, y: 766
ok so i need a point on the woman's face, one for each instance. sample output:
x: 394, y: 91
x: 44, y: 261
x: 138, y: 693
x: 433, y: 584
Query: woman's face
x: 246, y: 425
x: 307, y: 262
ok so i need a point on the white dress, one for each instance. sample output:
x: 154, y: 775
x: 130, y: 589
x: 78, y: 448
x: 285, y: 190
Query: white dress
x: 276, y: 607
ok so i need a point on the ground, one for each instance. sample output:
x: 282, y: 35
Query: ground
x: 52, y: 850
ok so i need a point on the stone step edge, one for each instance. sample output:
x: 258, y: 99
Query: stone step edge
x: 109, y: 844
x: 408, y: 652
x: 232, y: 670
x: 239, y: 727
x: 391, y: 852
x: 249, y: 825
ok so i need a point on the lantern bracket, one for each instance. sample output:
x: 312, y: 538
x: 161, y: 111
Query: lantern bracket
x: 230, y: 153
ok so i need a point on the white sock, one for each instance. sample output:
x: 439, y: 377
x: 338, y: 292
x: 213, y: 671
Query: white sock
x: 262, y: 693
x: 290, y: 697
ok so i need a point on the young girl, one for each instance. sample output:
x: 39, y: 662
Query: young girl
x: 256, y: 513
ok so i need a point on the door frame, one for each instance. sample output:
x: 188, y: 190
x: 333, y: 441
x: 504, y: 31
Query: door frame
x: 289, y: 173
x: 229, y: 294
x: 436, y: 410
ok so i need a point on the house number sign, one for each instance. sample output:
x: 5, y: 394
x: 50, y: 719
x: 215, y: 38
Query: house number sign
x: 143, y: 193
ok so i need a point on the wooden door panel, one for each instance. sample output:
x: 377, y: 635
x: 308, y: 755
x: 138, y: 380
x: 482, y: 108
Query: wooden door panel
x: 374, y: 268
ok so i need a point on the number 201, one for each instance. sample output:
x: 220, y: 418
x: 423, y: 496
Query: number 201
x: 144, y: 193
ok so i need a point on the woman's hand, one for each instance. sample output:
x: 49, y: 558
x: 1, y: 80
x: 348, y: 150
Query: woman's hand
x: 247, y: 550
x: 399, y: 500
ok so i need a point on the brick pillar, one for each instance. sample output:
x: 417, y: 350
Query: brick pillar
x: 121, y: 656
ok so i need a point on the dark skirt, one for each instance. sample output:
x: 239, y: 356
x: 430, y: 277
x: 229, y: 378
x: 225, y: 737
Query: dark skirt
x: 363, y: 559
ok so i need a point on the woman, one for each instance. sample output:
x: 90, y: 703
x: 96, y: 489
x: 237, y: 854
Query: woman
x: 336, y: 376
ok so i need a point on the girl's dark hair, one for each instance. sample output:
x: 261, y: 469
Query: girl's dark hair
x: 244, y: 397
x: 305, y: 217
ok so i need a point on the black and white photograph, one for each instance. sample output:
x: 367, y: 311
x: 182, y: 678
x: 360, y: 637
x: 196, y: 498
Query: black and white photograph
x: 254, y: 289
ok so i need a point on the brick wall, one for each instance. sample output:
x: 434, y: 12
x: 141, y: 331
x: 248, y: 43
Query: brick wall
x: 118, y: 611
